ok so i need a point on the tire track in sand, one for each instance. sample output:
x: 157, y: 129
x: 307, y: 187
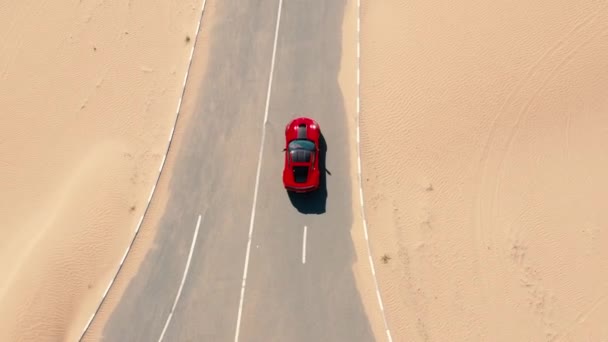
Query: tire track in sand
x: 541, y: 300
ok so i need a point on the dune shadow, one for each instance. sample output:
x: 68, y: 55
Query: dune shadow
x: 314, y: 202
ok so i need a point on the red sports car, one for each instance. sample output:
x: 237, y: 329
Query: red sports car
x: 301, y: 171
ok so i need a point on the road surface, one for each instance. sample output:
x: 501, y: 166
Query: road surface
x: 300, y: 286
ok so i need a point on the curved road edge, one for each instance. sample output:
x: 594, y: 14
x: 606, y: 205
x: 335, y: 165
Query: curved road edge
x: 160, y: 170
x: 359, y: 173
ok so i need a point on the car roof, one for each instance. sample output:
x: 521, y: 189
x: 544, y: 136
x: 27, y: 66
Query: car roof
x: 300, y: 156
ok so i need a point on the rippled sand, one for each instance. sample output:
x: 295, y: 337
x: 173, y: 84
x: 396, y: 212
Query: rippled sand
x: 88, y: 92
x: 484, y: 129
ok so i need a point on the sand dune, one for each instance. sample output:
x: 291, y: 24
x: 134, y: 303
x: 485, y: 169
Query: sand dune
x: 88, y: 92
x: 484, y: 127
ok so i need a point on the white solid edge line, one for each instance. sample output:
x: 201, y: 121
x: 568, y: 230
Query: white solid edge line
x: 162, y: 163
x: 151, y: 192
x: 257, y: 178
x: 88, y: 324
x: 171, y: 134
x: 304, y: 246
x: 108, y: 288
x: 184, y: 276
x: 179, y: 106
x: 358, y: 108
x: 124, y: 256
x: 361, y: 195
x: 141, y: 219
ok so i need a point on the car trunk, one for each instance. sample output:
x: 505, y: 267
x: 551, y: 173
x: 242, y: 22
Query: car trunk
x: 300, y: 173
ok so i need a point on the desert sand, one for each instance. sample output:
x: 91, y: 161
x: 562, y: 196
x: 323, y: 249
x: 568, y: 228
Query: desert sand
x: 347, y: 79
x: 88, y: 92
x: 484, y: 128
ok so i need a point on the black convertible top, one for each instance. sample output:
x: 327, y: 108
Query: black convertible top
x: 300, y: 156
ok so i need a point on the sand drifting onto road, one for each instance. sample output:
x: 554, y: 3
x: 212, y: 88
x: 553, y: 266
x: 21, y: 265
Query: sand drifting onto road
x: 88, y: 93
x: 484, y: 127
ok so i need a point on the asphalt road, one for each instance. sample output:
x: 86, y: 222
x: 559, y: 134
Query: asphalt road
x: 215, y: 175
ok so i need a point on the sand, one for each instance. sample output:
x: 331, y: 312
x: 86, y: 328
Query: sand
x: 347, y: 80
x: 146, y: 237
x: 484, y: 128
x: 88, y: 92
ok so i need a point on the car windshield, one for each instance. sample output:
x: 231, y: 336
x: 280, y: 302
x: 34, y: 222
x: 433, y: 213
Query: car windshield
x: 301, y: 144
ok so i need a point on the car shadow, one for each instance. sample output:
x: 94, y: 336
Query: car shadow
x: 314, y: 202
